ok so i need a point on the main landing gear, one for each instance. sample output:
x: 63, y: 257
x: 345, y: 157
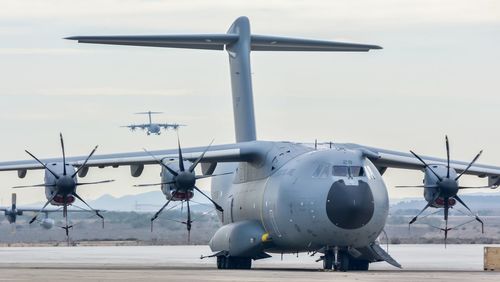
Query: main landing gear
x: 344, y: 261
x: 228, y: 262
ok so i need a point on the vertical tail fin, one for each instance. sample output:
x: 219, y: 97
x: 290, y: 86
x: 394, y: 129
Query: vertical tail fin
x: 238, y: 42
x: 14, y: 200
x: 241, y: 81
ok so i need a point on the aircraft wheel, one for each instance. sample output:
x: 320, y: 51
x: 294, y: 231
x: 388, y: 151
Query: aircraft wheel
x: 221, y: 262
x: 328, y: 259
x: 224, y: 262
x: 343, y: 261
x: 356, y: 264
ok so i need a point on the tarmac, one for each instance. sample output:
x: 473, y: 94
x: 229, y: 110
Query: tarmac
x: 183, y: 263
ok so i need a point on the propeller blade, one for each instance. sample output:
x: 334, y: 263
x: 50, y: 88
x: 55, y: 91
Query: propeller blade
x: 154, y: 184
x: 40, y: 162
x: 447, y: 157
x: 46, y: 204
x: 416, y: 186
x: 446, y: 229
x: 212, y: 175
x: 181, y: 160
x: 456, y: 197
x: 188, y: 223
x: 85, y: 162
x: 92, y: 209
x: 219, y: 208
x: 65, y: 215
x: 36, y: 185
x: 426, y: 165
x: 415, y: 218
x: 478, y: 187
x: 63, y: 153
x: 65, y: 208
x: 197, y: 161
x: 95, y: 182
x: 162, y: 208
x: 470, y: 164
x: 173, y: 172
x: 446, y: 210
x: 475, y: 216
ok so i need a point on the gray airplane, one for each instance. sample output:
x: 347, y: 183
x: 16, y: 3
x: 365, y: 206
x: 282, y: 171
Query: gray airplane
x: 151, y: 127
x: 12, y: 212
x: 279, y: 197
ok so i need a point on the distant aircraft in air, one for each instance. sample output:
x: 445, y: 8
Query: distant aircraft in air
x: 152, y: 128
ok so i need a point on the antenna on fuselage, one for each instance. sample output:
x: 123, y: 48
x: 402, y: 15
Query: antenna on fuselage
x: 238, y: 42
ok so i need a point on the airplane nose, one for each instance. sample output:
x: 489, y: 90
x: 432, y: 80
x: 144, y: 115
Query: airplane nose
x: 350, y: 206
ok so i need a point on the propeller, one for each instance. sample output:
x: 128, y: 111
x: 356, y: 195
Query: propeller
x: 184, y: 182
x: 64, y: 186
x: 446, y: 187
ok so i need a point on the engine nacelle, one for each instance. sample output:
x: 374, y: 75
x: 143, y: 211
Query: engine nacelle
x: 47, y: 223
x: 166, y: 176
x: 136, y: 170
x: 239, y: 239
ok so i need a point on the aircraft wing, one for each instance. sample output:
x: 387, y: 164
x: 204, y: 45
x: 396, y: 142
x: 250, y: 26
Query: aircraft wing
x: 134, y: 126
x: 29, y: 209
x: 383, y: 159
x: 240, y: 152
x: 170, y: 125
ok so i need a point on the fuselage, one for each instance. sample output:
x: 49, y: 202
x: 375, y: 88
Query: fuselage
x: 311, y: 199
x: 154, y: 129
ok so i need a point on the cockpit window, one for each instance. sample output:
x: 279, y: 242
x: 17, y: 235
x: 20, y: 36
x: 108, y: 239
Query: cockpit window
x: 322, y: 171
x: 357, y: 171
x: 348, y: 171
x: 340, y: 170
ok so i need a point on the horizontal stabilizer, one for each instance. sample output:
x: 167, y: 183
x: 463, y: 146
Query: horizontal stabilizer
x: 277, y: 43
x: 219, y: 41
x: 148, y: 113
x: 190, y: 41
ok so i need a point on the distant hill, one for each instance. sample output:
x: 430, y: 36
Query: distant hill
x: 145, y: 202
x: 148, y: 201
x: 152, y: 201
x: 475, y: 202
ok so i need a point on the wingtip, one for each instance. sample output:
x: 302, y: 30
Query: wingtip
x: 72, y: 38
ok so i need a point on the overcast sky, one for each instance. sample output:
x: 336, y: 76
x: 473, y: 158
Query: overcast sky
x: 437, y: 74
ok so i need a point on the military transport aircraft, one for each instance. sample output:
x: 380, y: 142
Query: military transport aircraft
x: 12, y: 212
x: 153, y: 128
x: 279, y: 197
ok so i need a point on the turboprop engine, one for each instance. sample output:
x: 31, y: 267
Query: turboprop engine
x: 441, y: 187
x: 61, y: 183
x: 47, y: 223
x: 179, y: 182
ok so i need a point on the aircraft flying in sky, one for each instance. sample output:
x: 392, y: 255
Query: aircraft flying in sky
x: 278, y: 197
x: 152, y: 127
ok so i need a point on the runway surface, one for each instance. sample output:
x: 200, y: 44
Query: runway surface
x: 183, y: 263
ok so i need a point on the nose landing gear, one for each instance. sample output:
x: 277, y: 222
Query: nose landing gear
x: 341, y: 260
